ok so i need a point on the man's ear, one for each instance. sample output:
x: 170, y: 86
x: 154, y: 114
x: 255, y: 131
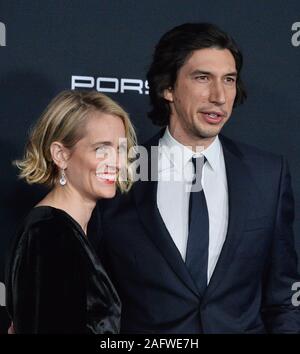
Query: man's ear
x: 59, y: 154
x: 168, y: 94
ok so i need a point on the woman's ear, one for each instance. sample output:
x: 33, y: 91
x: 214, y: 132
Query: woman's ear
x: 168, y: 94
x: 59, y: 154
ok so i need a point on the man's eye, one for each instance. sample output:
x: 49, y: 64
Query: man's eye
x: 202, y: 78
x: 230, y: 79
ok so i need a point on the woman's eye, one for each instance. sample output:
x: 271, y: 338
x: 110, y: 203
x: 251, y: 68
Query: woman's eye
x: 100, y: 150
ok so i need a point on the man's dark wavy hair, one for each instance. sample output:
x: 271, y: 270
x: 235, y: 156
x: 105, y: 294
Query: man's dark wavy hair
x: 170, y: 54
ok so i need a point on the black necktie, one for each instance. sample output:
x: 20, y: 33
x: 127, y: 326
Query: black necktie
x: 198, y: 238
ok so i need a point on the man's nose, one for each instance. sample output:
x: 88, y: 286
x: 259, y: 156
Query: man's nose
x: 217, y: 93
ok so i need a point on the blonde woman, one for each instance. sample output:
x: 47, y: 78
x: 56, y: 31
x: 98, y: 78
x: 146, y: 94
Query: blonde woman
x: 55, y: 282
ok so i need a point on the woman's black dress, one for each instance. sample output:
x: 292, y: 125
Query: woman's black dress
x: 55, y: 281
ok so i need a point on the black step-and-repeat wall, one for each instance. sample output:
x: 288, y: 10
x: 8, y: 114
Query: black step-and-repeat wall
x: 48, y: 46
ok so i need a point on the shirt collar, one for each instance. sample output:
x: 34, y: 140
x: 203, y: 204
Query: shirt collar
x: 179, y: 155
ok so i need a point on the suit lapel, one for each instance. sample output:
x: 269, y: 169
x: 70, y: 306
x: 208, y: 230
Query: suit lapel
x: 145, y: 195
x: 239, y: 183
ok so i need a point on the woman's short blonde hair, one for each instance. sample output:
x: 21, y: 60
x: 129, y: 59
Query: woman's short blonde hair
x: 64, y: 121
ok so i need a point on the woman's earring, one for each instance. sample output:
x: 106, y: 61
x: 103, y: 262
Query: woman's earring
x: 63, y: 179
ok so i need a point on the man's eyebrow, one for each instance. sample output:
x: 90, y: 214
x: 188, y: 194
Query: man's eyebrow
x: 234, y: 73
x: 203, y: 72
x: 199, y: 72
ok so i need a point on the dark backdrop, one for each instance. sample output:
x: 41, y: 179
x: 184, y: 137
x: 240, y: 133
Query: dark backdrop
x: 48, y: 42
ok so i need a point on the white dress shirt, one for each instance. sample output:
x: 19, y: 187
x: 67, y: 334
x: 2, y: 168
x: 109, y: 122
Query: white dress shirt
x: 175, y: 171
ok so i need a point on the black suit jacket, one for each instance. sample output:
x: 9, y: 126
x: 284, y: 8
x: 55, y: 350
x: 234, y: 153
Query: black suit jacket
x: 250, y: 289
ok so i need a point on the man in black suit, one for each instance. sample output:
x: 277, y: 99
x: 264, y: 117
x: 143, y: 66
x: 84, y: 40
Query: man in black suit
x: 220, y: 259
